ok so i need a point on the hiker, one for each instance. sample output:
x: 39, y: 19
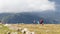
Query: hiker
x: 34, y: 21
x: 37, y: 22
x: 41, y: 21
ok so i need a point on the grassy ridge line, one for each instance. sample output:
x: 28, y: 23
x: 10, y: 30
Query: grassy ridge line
x: 37, y: 28
x: 45, y: 29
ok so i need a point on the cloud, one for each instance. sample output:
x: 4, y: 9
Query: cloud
x: 26, y: 5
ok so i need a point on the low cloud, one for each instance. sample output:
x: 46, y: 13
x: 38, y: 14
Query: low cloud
x: 26, y: 5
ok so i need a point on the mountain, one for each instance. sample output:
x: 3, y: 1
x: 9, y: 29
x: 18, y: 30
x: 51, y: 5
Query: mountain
x: 49, y: 17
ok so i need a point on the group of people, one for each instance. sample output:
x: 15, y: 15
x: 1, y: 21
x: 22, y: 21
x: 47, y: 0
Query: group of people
x: 39, y: 22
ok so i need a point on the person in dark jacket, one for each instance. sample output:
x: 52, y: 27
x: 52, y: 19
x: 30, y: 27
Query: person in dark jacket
x: 41, y: 21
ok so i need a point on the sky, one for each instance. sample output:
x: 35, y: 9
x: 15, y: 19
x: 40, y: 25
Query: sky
x: 27, y: 5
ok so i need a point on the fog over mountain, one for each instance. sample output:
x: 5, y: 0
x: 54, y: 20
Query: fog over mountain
x: 25, y: 11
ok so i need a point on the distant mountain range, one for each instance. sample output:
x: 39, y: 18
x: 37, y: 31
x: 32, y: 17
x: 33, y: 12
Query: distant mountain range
x: 49, y: 17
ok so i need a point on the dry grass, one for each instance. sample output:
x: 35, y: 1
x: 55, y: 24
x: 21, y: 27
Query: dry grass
x: 37, y: 28
x: 45, y: 29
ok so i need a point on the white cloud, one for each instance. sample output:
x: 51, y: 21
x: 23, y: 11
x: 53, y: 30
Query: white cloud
x: 26, y: 5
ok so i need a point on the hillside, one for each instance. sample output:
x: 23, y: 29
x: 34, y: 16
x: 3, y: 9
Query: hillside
x: 28, y: 17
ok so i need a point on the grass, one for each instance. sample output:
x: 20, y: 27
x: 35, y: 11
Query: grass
x: 37, y: 28
x: 45, y: 29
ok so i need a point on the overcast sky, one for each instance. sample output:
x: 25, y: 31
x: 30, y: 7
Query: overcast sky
x: 26, y: 5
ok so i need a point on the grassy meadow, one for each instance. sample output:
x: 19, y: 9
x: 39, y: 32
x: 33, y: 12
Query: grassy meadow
x: 37, y: 28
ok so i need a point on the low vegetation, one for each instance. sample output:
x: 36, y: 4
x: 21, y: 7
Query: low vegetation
x: 37, y: 28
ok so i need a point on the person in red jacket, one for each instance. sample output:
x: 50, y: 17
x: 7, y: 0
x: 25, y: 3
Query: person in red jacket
x: 41, y: 21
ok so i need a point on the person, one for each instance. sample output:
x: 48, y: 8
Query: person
x: 41, y: 21
x: 37, y: 22
x: 34, y: 21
